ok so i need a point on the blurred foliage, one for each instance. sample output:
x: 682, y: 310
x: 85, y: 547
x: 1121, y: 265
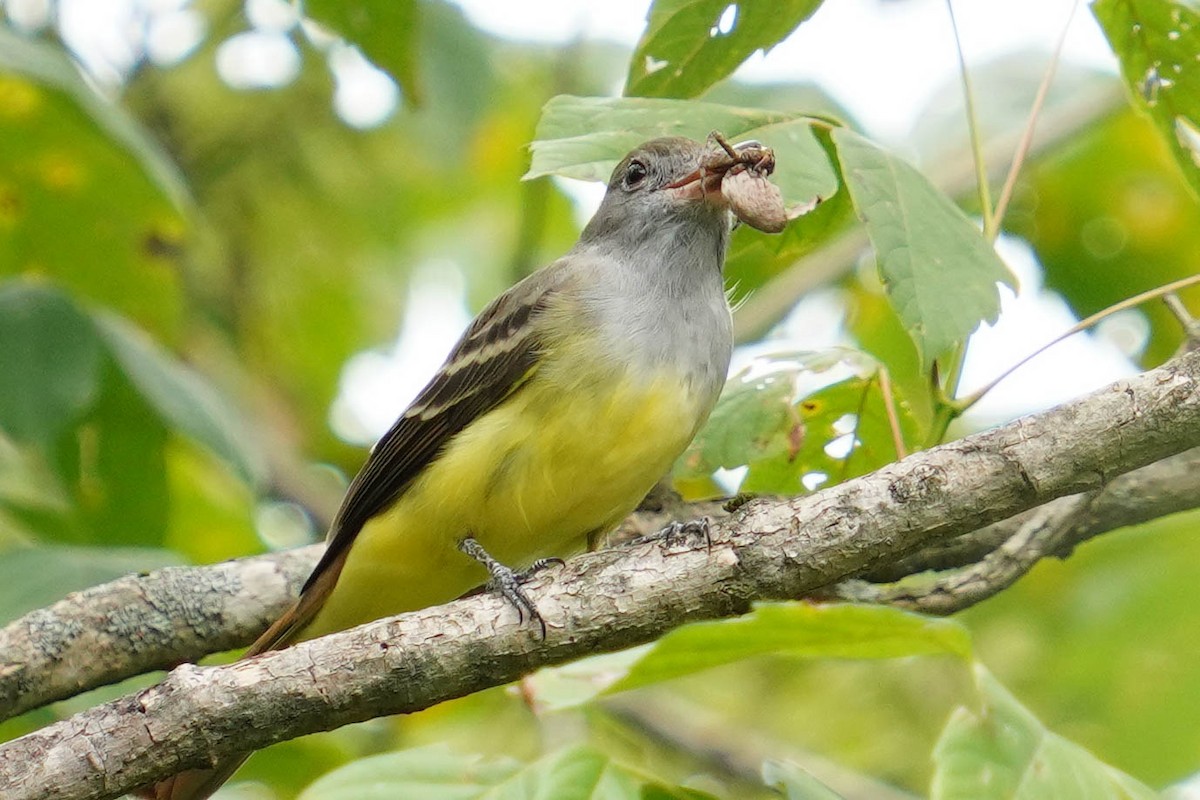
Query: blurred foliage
x: 1032, y: 762
x: 1135, y: 225
x: 578, y: 772
x: 387, y: 33
x: 185, y: 269
x: 86, y: 197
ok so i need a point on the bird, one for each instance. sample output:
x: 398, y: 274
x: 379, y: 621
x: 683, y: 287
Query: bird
x: 563, y: 403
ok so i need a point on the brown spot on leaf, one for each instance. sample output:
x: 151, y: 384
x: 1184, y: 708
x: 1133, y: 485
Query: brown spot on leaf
x: 11, y: 207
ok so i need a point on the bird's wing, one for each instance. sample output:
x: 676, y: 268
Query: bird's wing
x: 493, y: 359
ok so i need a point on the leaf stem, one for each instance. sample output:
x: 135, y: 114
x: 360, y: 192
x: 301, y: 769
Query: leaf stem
x: 1026, y: 141
x: 945, y: 407
x: 981, y: 176
x: 889, y: 405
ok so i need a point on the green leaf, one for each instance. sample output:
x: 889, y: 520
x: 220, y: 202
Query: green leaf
x: 796, y: 783
x: 792, y: 415
x: 691, y: 44
x: 939, y: 271
x: 34, y: 577
x: 385, y: 30
x: 426, y: 772
x: 435, y: 773
x: 27, y: 484
x: 50, y: 359
x: 1157, y: 43
x: 122, y: 488
x: 1004, y: 752
x: 753, y: 420
x: 183, y: 399
x: 85, y: 195
x: 585, y: 138
x: 578, y: 682
x: 844, y: 432
x: 798, y: 630
x: 874, y: 326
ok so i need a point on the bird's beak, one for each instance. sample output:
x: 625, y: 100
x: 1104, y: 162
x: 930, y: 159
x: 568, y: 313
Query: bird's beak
x: 704, y: 182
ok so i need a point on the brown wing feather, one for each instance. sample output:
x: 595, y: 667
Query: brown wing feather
x: 494, y: 357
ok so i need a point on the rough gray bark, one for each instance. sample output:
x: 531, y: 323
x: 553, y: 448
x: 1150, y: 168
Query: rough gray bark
x: 611, y: 599
x: 141, y: 623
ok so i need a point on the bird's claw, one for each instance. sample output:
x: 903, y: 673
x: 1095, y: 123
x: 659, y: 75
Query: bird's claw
x: 507, y: 581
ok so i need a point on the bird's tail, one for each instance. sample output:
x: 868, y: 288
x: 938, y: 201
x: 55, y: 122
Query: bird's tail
x: 194, y: 784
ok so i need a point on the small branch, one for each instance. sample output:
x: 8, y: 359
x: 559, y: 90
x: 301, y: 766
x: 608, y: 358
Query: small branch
x: 946, y: 408
x: 981, y: 173
x: 889, y: 406
x: 1157, y: 490
x: 1043, y: 533
x: 1190, y: 325
x: 610, y: 599
x: 1079, y: 327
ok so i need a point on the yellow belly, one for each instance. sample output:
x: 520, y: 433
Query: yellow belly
x: 531, y: 478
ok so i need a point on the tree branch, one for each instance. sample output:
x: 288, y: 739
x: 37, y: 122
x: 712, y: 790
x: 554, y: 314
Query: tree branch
x: 141, y: 623
x: 610, y: 599
x: 1157, y: 490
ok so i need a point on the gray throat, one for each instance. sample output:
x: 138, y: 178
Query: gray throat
x: 663, y: 301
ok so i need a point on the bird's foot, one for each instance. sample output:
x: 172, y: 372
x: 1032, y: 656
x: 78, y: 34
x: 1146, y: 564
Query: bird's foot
x: 508, y: 582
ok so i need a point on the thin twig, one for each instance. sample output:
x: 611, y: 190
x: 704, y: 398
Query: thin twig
x: 889, y: 405
x: 1026, y: 142
x: 981, y: 174
x: 1190, y: 325
x: 1079, y: 327
x: 1043, y: 533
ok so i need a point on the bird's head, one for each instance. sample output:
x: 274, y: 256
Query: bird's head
x: 664, y: 181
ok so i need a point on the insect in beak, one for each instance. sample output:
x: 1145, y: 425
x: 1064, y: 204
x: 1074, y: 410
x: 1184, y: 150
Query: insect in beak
x: 721, y: 159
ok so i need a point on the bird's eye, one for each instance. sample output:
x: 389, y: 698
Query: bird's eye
x: 635, y: 174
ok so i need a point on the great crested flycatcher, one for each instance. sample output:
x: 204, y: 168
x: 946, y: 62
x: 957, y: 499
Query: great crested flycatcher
x: 567, y: 398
